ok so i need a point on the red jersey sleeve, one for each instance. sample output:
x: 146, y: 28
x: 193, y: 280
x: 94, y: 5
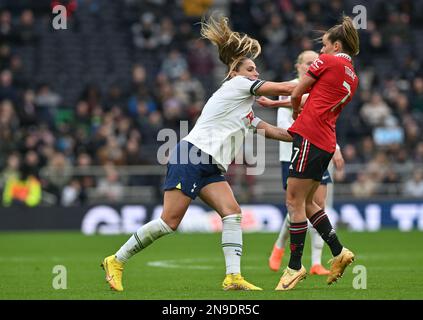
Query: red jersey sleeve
x: 319, y: 66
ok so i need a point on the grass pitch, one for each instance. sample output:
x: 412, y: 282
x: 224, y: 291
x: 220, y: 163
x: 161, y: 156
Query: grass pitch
x: 191, y: 266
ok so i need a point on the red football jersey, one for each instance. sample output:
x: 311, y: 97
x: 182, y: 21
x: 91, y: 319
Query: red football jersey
x: 335, y: 86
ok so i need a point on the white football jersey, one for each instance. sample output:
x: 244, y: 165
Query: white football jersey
x: 285, y: 121
x: 224, y: 122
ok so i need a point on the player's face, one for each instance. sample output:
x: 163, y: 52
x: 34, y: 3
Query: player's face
x: 327, y: 46
x: 307, y: 59
x: 247, y: 69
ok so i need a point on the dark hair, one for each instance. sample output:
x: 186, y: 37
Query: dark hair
x: 347, y: 34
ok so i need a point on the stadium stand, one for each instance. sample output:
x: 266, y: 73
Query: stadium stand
x: 81, y: 108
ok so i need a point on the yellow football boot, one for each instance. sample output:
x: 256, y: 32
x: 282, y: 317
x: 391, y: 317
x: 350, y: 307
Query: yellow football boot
x: 237, y: 282
x: 114, y: 271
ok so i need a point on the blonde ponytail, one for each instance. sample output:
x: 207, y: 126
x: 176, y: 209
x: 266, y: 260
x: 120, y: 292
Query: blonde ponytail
x: 233, y: 47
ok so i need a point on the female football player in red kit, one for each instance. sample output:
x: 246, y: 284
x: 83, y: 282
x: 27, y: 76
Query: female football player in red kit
x: 332, y: 82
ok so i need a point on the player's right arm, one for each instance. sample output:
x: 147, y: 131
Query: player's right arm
x: 297, y: 95
x: 275, y: 89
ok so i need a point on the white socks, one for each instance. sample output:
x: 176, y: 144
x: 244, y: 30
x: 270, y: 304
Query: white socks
x: 316, y: 246
x: 284, y: 233
x: 232, y: 242
x: 141, y: 239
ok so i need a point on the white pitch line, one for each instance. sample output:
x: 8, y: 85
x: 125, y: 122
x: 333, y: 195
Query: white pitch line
x: 197, y: 264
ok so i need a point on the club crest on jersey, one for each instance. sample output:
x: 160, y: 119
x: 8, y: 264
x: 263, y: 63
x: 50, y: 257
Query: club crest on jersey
x: 249, y: 118
x: 317, y: 63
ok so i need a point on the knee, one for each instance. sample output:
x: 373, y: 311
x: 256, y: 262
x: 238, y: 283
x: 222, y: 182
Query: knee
x: 229, y: 209
x: 173, y: 223
x: 319, y: 202
x: 292, y: 201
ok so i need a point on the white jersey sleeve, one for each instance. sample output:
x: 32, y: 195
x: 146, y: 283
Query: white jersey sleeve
x: 246, y: 86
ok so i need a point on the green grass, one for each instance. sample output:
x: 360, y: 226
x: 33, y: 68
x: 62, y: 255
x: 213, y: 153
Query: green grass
x: 393, y: 261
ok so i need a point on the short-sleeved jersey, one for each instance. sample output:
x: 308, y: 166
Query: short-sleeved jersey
x: 335, y: 86
x: 224, y: 122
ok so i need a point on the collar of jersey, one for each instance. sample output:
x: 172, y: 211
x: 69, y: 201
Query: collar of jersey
x: 343, y: 55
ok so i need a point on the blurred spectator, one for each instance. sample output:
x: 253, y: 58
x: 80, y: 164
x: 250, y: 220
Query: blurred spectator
x: 22, y: 190
x: 275, y: 33
x: 85, y: 175
x: 111, y: 152
x: 376, y: 112
x: 57, y: 174
x: 110, y: 188
x: 414, y: 186
x: 11, y: 169
x: 188, y: 89
x: 25, y: 30
x: 364, y: 186
x: 7, y: 90
x: 174, y: 65
x: 6, y: 32
x: 72, y: 194
x: 146, y: 32
x: 166, y: 32
x: 417, y: 94
x: 201, y: 64
x: 47, y: 102
x: 28, y: 112
x: 32, y: 163
x: 419, y: 153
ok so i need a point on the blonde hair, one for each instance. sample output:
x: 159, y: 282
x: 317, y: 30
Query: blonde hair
x: 347, y: 34
x: 233, y: 47
x: 300, y: 58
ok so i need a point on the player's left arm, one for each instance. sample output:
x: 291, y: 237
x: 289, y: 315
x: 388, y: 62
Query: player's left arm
x: 296, y: 97
x: 338, y: 159
x: 268, y: 103
x: 271, y: 131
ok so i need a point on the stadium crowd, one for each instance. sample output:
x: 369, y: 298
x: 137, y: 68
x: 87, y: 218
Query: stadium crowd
x: 105, y: 106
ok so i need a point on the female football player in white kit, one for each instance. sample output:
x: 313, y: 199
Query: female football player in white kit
x: 227, y: 114
x: 304, y: 60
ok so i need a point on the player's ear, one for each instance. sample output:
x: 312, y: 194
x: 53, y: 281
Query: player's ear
x: 233, y: 74
x: 337, y: 46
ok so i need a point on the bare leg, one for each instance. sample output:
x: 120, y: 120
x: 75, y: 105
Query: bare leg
x: 175, y: 205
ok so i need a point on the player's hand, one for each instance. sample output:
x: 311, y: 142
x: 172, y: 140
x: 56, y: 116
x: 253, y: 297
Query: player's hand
x: 295, y: 115
x: 338, y: 160
x: 265, y: 102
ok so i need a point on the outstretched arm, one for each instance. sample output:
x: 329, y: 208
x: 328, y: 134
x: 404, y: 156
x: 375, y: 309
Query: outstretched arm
x: 275, y: 89
x: 268, y: 103
x: 271, y: 131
